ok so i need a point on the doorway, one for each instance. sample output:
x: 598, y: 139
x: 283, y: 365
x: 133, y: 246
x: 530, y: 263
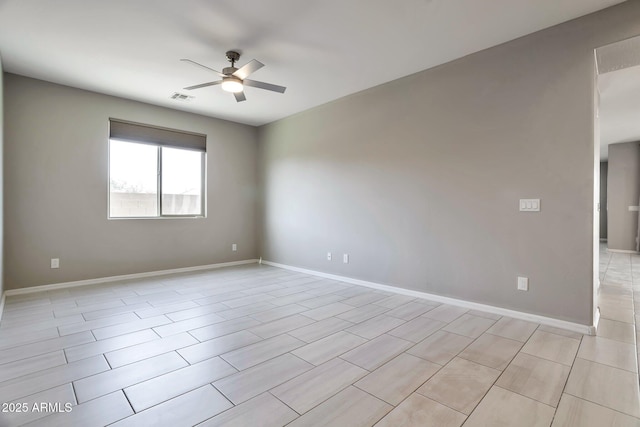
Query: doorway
x: 617, y: 189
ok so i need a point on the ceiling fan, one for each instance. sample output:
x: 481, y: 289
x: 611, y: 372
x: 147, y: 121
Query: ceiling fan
x: 234, y: 79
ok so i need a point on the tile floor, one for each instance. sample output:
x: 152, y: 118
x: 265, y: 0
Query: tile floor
x: 261, y: 346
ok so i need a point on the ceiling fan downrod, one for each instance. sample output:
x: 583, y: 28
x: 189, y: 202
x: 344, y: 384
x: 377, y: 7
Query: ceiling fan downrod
x: 233, y: 57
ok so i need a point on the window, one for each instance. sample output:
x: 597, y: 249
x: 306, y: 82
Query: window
x: 155, y: 172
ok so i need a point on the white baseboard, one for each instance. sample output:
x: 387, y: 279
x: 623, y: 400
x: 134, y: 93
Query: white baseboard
x: 622, y: 251
x: 76, y: 283
x: 549, y: 321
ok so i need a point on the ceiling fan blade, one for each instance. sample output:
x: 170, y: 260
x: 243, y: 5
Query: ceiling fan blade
x: 239, y: 96
x: 244, y: 71
x: 263, y: 85
x: 203, y: 66
x: 203, y: 85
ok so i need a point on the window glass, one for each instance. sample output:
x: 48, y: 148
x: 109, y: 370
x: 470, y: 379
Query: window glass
x: 133, y: 179
x: 181, y: 181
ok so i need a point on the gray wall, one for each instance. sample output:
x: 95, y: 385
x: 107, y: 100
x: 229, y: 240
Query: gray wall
x: 1, y: 180
x: 623, y: 190
x: 56, y: 173
x: 604, y: 167
x: 419, y: 179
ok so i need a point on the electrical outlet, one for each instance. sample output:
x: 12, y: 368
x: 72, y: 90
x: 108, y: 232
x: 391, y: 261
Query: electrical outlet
x: 328, y: 256
x: 523, y: 283
x: 234, y: 247
x: 345, y: 258
x: 55, y: 262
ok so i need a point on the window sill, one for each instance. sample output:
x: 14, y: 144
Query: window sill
x: 157, y: 217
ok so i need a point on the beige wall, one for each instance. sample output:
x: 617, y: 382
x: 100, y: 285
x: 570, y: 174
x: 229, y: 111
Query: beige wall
x: 419, y: 179
x: 56, y: 190
x: 623, y: 190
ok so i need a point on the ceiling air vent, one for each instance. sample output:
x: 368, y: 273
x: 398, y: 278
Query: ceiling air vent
x: 181, y: 97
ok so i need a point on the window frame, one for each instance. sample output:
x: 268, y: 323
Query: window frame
x: 159, y: 146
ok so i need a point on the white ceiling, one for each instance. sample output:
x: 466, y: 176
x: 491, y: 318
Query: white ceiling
x: 321, y: 50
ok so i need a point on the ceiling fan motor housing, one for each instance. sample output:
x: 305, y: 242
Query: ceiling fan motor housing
x: 229, y: 70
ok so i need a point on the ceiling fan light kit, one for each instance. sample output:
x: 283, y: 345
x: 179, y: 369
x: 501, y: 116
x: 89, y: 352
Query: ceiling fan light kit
x: 232, y: 84
x: 235, y: 79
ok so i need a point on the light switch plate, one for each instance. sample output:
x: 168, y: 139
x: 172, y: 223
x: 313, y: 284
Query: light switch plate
x: 529, y: 205
x: 523, y: 283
